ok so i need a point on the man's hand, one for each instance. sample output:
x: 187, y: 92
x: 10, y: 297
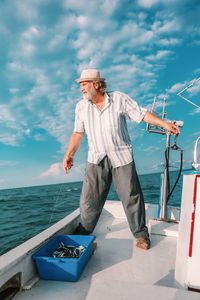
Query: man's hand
x: 172, y: 128
x: 74, y: 143
x: 154, y: 120
x: 68, y: 163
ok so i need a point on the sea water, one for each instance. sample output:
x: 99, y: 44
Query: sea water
x: 27, y: 211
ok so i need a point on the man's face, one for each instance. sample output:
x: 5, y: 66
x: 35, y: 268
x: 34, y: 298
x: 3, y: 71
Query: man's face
x: 88, y: 90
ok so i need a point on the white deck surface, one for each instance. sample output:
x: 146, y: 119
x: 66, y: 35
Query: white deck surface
x: 118, y: 270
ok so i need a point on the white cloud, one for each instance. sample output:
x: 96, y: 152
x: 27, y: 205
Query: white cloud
x: 57, y: 35
x: 76, y: 5
x: 169, y: 4
x: 161, y: 54
x: 194, y: 89
x: 88, y: 50
x: 10, y: 130
x: 170, y: 41
x: 192, y: 93
x: 5, y: 114
x: 17, y: 69
x: 169, y: 26
x: 121, y: 41
x: 83, y: 21
x: 106, y: 7
x: 26, y: 10
x: 28, y: 49
x: 39, y: 137
x: 14, y: 90
x: 147, y: 3
x: 196, y: 111
x: 41, y: 88
x: 135, y: 34
x: 30, y: 33
x: 48, y: 107
x: 8, y: 163
x: 55, y: 41
x: 177, y: 87
x: 109, y: 6
x: 92, y: 51
x: 9, y: 138
x: 55, y: 170
x: 45, y: 106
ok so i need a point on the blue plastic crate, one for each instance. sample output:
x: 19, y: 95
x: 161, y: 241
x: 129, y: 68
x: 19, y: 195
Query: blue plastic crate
x: 63, y: 269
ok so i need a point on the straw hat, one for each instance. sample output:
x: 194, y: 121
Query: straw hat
x: 90, y: 75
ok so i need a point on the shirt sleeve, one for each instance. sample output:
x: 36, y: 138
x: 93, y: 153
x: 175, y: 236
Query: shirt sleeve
x: 78, y: 123
x: 133, y: 111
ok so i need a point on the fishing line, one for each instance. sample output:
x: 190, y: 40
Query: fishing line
x: 28, y: 222
x: 29, y: 234
x: 55, y: 202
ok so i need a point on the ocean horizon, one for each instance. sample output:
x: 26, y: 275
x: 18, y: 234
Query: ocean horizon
x: 61, y: 182
x: 26, y: 211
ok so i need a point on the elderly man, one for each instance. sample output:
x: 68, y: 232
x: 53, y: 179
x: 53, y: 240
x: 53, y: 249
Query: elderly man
x: 102, y: 115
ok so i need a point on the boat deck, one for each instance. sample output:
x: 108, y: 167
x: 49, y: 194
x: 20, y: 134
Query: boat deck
x: 119, y: 270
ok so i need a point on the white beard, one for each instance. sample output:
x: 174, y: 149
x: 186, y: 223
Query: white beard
x: 90, y: 94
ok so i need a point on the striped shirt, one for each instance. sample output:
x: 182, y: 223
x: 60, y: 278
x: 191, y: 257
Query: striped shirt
x: 107, y: 129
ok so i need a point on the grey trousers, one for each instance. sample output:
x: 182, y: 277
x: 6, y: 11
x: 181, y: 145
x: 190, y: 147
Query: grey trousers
x: 96, y: 185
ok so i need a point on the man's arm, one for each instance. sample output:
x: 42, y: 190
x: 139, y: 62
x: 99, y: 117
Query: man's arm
x: 152, y: 119
x: 73, y: 146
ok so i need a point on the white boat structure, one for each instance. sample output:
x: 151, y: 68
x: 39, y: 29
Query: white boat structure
x: 117, y: 270
x: 169, y: 270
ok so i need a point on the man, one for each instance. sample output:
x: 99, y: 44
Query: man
x: 102, y: 115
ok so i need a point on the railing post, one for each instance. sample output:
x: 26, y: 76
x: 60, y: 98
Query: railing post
x: 165, y: 182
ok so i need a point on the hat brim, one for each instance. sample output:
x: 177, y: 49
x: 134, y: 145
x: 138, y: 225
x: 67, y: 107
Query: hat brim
x: 79, y: 80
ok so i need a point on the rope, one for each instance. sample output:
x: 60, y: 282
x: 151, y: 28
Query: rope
x: 178, y: 177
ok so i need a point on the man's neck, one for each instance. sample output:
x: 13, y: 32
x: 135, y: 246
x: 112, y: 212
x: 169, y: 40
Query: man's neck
x: 99, y: 98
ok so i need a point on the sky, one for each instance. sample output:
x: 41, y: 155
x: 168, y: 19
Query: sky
x: 144, y: 48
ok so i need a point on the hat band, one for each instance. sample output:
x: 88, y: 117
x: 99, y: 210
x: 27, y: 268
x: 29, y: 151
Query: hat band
x: 90, y: 79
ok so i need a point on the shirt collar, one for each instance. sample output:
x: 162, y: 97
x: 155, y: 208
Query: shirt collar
x: 107, y: 99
